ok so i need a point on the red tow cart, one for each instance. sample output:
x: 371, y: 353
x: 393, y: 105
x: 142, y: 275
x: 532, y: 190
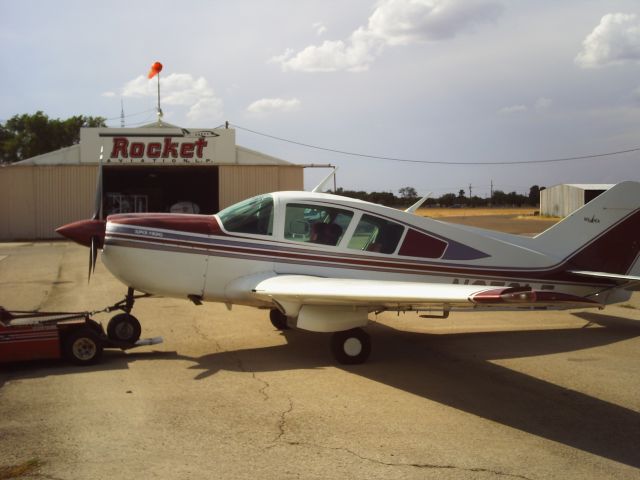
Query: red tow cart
x: 74, y: 336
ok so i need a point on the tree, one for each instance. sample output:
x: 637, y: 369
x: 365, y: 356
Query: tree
x: 25, y: 136
x: 448, y: 199
x: 534, y: 195
x: 408, y: 193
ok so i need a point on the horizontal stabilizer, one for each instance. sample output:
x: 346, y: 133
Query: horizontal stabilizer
x: 630, y: 282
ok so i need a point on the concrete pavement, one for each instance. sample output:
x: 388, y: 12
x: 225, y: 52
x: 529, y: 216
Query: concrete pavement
x: 533, y: 395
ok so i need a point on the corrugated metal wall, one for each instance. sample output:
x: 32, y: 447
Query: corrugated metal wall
x: 35, y: 200
x: 560, y: 200
x: 238, y: 182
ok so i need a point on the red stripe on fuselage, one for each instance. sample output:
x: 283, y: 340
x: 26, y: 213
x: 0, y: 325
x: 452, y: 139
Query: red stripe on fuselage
x: 178, y: 222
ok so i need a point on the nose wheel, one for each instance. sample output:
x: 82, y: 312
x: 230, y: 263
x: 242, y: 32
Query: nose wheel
x: 351, y: 347
x: 124, y: 328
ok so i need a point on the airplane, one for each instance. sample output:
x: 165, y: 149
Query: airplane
x: 323, y: 263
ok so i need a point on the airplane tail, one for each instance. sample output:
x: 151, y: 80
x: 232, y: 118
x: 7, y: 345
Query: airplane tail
x: 602, y: 236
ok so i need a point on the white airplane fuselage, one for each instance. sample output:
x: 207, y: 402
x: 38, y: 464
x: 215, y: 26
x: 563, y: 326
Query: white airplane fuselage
x: 195, y: 255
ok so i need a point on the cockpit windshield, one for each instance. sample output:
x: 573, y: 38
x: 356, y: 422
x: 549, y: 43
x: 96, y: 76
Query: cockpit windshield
x: 254, y: 215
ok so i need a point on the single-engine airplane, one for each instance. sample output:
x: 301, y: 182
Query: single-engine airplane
x: 323, y: 262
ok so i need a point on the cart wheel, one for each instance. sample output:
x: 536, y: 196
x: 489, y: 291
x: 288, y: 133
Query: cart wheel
x: 82, y: 347
x: 124, y: 327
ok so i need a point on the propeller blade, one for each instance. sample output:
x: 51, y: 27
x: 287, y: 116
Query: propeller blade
x: 93, y: 256
x: 97, y: 211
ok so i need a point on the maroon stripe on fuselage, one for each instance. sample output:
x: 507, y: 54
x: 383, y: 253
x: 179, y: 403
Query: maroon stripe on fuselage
x: 179, y: 222
x: 549, y: 274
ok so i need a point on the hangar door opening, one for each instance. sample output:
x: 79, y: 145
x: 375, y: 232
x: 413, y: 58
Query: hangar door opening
x: 133, y: 189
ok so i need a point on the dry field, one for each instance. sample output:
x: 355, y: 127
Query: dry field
x: 520, y: 221
x: 474, y: 212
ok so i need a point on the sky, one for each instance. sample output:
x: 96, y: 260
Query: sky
x: 467, y: 81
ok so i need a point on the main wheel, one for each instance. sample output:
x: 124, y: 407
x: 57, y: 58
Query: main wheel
x: 351, y: 347
x: 124, y: 327
x: 82, y: 347
x: 278, y: 319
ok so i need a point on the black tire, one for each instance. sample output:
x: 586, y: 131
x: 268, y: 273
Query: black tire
x: 124, y: 328
x: 278, y: 319
x: 82, y: 346
x: 351, y: 347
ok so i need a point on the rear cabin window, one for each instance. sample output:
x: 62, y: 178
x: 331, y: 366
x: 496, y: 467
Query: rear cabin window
x: 417, y: 244
x: 375, y: 234
x: 254, y: 215
x: 315, y: 223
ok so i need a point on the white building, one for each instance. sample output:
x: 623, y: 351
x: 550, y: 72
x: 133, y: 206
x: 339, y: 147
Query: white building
x: 561, y: 200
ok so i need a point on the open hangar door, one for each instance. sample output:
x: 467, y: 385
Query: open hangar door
x: 132, y: 189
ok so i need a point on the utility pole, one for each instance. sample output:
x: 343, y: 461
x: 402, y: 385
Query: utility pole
x: 469, y: 191
x: 491, y: 190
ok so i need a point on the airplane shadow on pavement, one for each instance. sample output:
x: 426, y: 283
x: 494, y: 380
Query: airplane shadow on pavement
x: 457, y: 370
x: 112, y: 359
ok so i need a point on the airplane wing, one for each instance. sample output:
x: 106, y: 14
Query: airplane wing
x: 378, y: 294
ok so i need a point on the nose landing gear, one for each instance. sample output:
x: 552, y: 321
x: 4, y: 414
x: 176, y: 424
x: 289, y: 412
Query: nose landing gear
x: 124, y: 327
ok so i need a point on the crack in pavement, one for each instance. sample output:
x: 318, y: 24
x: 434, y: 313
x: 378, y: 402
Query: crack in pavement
x: 263, y: 390
x: 402, y: 464
x: 282, y: 424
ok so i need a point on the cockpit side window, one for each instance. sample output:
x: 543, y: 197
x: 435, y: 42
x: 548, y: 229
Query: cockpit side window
x: 315, y: 223
x: 375, y: 234
x: 254, y: 215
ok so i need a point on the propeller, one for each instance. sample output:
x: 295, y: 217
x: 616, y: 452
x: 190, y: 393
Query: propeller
x: 96, y: 241
x: 90, y: 232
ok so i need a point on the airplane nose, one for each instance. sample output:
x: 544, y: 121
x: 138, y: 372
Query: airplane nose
x: 82, y: 231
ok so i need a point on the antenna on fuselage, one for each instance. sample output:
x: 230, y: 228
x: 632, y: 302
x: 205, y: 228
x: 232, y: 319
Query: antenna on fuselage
x: 325, y: 180
x: 418, y: 204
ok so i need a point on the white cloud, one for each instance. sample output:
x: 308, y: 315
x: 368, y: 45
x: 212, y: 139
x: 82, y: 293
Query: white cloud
x: 513, y: 109
x: 268, y: 105
x: 319, y: 28
x: 615, y: 40
x: 206, y: 111
x: 393, y: 22
x: 180, y: 89
x: 543, y: 103
x: 108, y: 94
x: 355, y: 55
x: 401, y: 22
x: 540, y: 105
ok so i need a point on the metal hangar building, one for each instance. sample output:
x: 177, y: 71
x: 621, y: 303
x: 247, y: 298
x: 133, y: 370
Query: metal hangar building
x: 156, y: 168
x: 561, y: 200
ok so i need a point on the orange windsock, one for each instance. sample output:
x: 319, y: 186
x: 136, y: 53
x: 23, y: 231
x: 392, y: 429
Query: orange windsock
x: 155, y: 69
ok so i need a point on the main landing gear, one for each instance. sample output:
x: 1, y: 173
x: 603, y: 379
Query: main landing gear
x: 349, y: 347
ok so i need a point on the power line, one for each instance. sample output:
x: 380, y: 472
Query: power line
x: 437, y: 162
